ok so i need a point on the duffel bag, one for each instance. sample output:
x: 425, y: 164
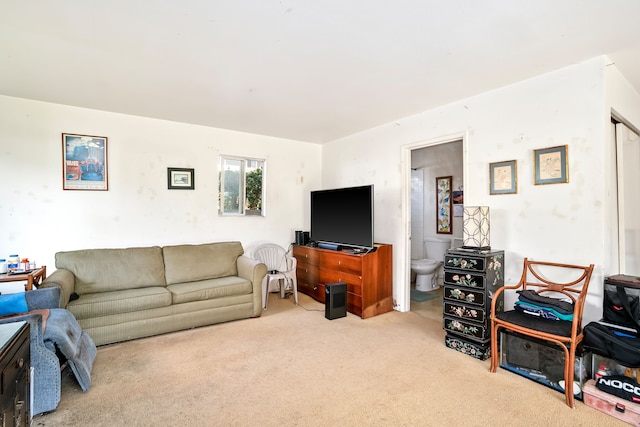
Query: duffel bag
x: 621, y: 346
x: 619, y: 307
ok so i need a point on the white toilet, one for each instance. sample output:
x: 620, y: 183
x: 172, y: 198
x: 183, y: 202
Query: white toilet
x: 426, y: 270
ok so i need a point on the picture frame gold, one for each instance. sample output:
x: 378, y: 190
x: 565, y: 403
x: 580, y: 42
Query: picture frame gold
x: 503, y: 177
x: 551, y: 165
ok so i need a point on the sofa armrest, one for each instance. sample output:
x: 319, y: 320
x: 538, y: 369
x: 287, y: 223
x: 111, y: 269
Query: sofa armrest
x: 64, y: 280
x: 254, y: 271
x: 44, y: 298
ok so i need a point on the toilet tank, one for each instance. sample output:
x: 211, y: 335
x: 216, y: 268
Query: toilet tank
x: 436, y: 247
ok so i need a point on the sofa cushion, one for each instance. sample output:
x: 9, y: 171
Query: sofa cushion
x: 190, y: 263
x: 117, y: 302
x: 209, y: 289
x: 102, y: 270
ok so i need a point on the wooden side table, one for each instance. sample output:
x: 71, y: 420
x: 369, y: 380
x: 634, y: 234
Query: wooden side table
x: 33, y: 277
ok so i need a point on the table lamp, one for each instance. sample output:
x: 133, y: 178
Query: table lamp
x: 475, y: 228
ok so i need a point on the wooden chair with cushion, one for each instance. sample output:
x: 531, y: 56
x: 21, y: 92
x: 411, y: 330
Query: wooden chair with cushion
x: 567, y: 334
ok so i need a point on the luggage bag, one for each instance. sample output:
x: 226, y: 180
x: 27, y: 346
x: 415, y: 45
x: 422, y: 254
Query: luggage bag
x: 622, y: 300
x: 616, y: 336
x: 613, y: 342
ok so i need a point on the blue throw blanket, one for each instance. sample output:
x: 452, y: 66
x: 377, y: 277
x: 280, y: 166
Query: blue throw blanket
x: 64, y: 332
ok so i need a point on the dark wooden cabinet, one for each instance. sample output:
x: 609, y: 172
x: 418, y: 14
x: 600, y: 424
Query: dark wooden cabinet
x: 15, y: 377
x: 368, y: 277
x: 470, y: 280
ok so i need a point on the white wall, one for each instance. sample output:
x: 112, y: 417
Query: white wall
x: 38, y: 218
x: 560, y: 222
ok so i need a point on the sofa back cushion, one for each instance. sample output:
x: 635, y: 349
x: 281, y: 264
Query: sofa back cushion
x: 188, y: 263
x: 101, y: 270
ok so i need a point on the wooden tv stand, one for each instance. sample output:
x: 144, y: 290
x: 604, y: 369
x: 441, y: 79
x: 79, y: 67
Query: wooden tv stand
x: 368, y: 277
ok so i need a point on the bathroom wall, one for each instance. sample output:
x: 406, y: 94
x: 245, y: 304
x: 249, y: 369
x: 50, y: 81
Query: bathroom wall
x: 417, y: 213
x: 434, y: 161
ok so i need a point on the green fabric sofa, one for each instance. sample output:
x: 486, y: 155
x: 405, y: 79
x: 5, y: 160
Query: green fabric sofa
x: 124, y: 294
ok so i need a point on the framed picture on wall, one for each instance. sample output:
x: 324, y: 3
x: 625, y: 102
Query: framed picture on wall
x: 181, y: 179
x: 551, y: 165
x: 457, y: 196
x: 503, y: 177
x: 443, y: 205
x: 84, y: 162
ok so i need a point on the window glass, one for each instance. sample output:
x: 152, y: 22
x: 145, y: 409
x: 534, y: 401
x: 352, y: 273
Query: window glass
x: 241, y: 186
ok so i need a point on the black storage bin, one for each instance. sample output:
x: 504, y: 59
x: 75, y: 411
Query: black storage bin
x: 541, y: 361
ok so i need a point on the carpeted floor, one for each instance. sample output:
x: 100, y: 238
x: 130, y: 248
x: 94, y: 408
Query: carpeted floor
x: 293, y: 367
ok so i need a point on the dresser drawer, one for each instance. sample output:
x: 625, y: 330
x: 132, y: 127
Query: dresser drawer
x: 354, y: 283
x: 471, y: 313
x: 306, y: 256
x: 469, y: 329
x: 14, y: 374
x: 16, y: 366
x: 465, y: 262
x: 462, y: 294
x: 464, y: 278
x: 354, y: 304
x: 314, y: 290
x: 340, y: 262
x: 307, y: 272
x: 472, y: 348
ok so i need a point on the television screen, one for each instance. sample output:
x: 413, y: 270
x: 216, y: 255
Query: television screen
x: 343, y: 216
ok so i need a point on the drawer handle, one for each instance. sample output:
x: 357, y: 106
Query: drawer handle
x: 21, y: 362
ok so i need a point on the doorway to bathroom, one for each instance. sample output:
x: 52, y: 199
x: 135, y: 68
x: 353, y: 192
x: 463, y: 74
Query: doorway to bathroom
x: 431, y: 165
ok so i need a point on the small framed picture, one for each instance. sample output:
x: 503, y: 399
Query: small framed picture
x: 84, y: 162
x: 551, y: 165
x: 181, y: 179
x: 503, y: 177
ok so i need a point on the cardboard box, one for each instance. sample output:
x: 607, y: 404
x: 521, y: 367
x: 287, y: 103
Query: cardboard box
x: 610, y: 404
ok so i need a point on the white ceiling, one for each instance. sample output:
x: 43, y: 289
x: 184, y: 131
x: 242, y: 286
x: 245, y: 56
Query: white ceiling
x: 309, y: 70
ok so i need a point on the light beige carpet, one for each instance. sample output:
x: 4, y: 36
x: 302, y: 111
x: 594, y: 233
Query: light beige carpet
x: 293, y: 367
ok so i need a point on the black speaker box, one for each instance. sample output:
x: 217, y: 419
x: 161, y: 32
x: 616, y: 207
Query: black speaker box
x: 302, y: 237
x: 335, y: 300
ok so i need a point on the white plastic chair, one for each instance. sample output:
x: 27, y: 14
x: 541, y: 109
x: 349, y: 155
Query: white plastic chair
x: 281, y: 271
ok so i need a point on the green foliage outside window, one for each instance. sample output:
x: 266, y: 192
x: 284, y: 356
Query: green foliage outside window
x: 240, y: 186
x: 254, y: 190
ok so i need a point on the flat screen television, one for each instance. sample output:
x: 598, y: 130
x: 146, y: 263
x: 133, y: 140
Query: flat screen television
x: 343, y: 216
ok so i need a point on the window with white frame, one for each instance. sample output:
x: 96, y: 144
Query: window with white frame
x: 241, y: 186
